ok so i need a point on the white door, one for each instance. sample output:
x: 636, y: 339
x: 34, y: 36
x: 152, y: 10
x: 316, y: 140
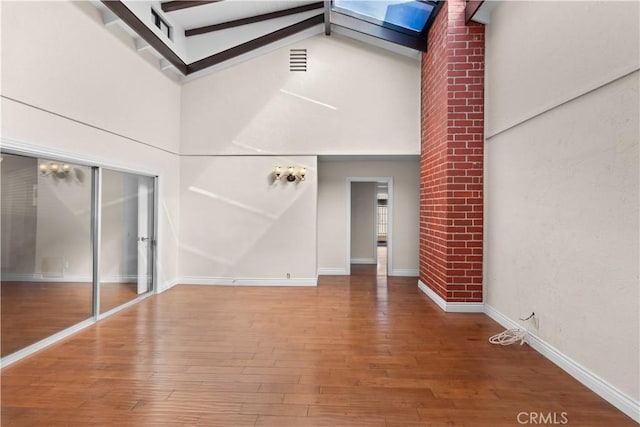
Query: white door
x: 144, y: 233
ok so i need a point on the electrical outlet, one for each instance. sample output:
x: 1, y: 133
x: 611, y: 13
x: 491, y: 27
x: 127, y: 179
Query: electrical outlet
x: 535, y: 321
x: 532, y: 320
x: 288, y: 275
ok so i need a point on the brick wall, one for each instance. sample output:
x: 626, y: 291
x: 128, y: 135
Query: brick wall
x: 451, y: 168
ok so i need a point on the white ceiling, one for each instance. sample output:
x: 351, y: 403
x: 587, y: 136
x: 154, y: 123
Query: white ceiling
x: 191, y: 49
x: 228, y: 10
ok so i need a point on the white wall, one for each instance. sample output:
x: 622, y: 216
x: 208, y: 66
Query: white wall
x: 58, y: 56
x: 575, y: 49
x: 354, y: 99
x: 561, y: 236
x: 333, y: 205
x: 363, y: 216
x: 70, y: 86
x: 239, y: 224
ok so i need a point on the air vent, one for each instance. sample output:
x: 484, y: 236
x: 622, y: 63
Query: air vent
x: 298, y: 60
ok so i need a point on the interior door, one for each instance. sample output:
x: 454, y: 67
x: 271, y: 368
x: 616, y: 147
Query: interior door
x: 145, y: 234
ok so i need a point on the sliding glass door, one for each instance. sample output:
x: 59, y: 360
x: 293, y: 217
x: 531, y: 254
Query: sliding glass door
x: 46, y: 283
x: 51, y: 218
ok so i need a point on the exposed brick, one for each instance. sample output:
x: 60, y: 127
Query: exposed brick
x: 451, y: 166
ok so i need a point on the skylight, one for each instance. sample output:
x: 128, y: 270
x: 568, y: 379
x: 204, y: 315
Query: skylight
x: 409, y: 16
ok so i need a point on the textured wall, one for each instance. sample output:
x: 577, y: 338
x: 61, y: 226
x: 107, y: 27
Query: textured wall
x: 562, y: 179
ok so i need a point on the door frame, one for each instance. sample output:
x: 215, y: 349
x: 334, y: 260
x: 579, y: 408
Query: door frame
x: 152, y: 252
x: 378, y: 179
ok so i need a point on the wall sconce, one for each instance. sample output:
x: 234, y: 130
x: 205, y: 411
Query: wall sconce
x: 57, y: 170
x: 290, y: 174
x: 277, y: 172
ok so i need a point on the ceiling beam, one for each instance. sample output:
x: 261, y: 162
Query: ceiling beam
x: 254, y: 44
x: 252, y: 19
x: 171, y: 6
x: 327, y: 17
x: 145, y: 32
x: 471, y: 8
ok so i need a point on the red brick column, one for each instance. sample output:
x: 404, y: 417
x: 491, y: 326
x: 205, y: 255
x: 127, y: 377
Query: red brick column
x: 451, y: 166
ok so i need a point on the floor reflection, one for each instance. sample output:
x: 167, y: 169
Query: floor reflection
x: 32, y: 311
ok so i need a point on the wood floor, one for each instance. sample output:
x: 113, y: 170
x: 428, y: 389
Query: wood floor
x: 355, y: 351
x: 32, y: 311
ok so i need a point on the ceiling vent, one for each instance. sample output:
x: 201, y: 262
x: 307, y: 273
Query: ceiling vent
x: 298, y: 60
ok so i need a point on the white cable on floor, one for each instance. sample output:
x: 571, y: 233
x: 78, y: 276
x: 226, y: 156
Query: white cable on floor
x: 512, y: 336
x: 508, y: 337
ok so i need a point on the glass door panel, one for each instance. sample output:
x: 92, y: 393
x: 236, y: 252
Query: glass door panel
x: 46, y: 274
x: 126, y: 238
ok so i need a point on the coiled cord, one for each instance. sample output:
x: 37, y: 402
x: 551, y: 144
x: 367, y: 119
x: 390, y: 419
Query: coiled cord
x: 508, y: 337
x: 512, y: 336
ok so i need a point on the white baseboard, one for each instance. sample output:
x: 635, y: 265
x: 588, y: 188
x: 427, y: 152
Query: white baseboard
x: 363, y: 261
x: 332, y: 272
x: 168, y: 284
x: 611, y: 394
x: 599, y: 386
x: 404, y: 272
x: 451, y: 307
x: 243, y: 281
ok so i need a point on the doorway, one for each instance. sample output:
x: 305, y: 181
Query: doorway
x: 126, y: 236
x: 369, y: 232
x: 382, y: 227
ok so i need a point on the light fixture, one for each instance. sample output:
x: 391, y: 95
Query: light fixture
x: 291, y: 174
x: 57, y: 170
x: 291, y: 177
x: 277, y: 172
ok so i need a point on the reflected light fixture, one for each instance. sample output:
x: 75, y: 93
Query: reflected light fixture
x: 277, y: 172
x: 57, y: 170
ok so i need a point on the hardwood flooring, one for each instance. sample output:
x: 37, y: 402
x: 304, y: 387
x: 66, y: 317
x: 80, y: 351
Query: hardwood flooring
x: 355, y: 351
x: 32, y: 311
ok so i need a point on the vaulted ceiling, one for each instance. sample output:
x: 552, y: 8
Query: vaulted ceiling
x: 189, y: 37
